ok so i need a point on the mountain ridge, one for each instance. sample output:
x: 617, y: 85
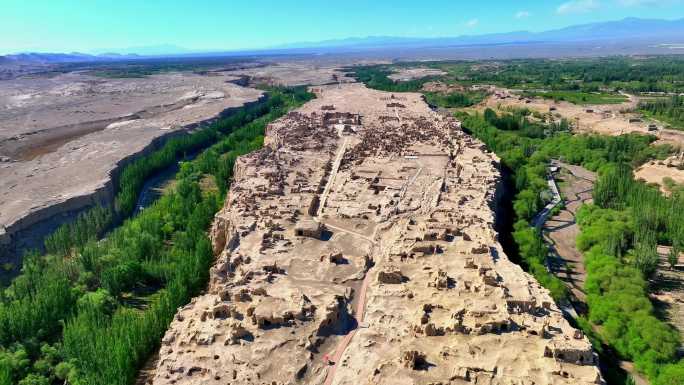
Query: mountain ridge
x: 655, y: 31
x: 626, y: 28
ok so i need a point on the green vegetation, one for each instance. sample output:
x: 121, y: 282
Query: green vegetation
x: 673, y: 255
x: 657, y: 217
x: 656, y: 74
x: 579, y: 81
x: 525, y: 148
x: 93, y: 314
x: 87, y: 227
x: 578, y: 97
x: 619, y: 234
x: 668, y: 110
x: 376, y: 77
x: 617, y: 291
x: 454, y: 99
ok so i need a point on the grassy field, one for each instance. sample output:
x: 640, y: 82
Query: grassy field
x: 578, y: 97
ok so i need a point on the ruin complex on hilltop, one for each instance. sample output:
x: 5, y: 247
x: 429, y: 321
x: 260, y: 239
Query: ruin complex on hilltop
x: 357, y: 247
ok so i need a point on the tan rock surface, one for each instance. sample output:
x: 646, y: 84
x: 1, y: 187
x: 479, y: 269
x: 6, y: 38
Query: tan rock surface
x: 407, y: 74
x: 363, y: 233
x: 295, y: 73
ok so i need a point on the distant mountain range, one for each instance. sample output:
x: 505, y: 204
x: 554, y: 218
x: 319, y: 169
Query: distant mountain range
x: 642, y: 31
x: 149, y: 50
x: 662, y: 31
x: 74, y: 57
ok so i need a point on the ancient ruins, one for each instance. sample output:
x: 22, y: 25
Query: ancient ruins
x: 357, y: 247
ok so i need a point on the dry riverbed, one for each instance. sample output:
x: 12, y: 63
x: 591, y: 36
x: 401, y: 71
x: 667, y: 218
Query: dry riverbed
x: 62, y: 137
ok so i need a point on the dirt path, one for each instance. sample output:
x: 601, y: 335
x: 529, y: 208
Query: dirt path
x: 333, y: 227
x: 632, y: 103
x: 561, y: 230
x: 336, y: 356
x: 667, y: 290
x: 333, y: 173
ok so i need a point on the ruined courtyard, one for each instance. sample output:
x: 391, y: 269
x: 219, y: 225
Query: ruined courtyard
x: 358, y: 247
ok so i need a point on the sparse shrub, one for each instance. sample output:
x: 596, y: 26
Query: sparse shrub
x: 673, y: 256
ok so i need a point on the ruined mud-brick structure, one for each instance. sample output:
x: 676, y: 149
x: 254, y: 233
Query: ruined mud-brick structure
x: 357, y: 247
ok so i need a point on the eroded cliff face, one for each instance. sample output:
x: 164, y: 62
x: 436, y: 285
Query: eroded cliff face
x: 357, y: 247
x: 86, y: 136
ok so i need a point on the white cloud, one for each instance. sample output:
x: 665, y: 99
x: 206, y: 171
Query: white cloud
x: 522, y: 14
x: 578, y: 6
x: 472, y: 23
x: 647, y: 3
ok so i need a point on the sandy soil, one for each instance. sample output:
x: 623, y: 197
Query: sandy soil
x: 295, y: 74
x: 406, y: 74
x: 657, y: 171
x: 30, y: 105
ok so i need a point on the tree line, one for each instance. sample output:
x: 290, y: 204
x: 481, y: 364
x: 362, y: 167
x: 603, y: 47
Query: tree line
x: 93, y: 310
x: 670, y: 110
x: 577, y: 80
x: 657, y: 74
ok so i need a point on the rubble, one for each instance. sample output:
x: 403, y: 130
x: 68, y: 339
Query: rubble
x: 390, y: 275
x: 389, y: 224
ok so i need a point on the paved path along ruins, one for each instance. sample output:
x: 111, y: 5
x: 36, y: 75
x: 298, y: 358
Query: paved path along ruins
x: 363, y: 230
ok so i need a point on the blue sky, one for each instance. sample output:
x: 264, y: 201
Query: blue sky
x: 91, y: 25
